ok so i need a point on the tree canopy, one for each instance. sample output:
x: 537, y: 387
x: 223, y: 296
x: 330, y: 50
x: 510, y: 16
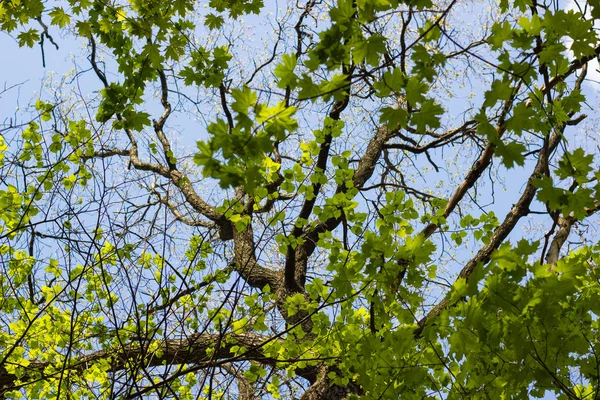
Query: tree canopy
x: 315, y: 199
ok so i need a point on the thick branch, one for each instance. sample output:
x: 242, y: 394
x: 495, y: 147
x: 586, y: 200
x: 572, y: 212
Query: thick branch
x: 244, y: 262
x: 323, y: 389
x: 565, y: 224
x: 245, y: 388
x: 199, y: 349
x: 564, y: 228
x: 367, y: 163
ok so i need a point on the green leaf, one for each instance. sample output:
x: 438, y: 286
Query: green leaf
x: 334, y: 88
x: 511, y: 153
x: 415, y: 91
x: 428, y: 116
x: 343, y: 12
x: 28, y: 38
x: 575, y: 164
x: 524, y: 118
x: 501, y: 32
x: 579, y: 202
x: 392, y: 81
x: 136, y: 121
x: 244, y: 99
x: 59, y: 17
x: 308, y: 89
x: 369, y: 50
x: 501, y: 90
x: 531, y: 25
x: 394, y: 117
x: 284, y: 71
x: 213, y: 21
x: 551, y: 53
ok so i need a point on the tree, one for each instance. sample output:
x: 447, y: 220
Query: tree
x: 336, y: 232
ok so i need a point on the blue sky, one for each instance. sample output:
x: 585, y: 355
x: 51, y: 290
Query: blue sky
x: 25, y: 68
